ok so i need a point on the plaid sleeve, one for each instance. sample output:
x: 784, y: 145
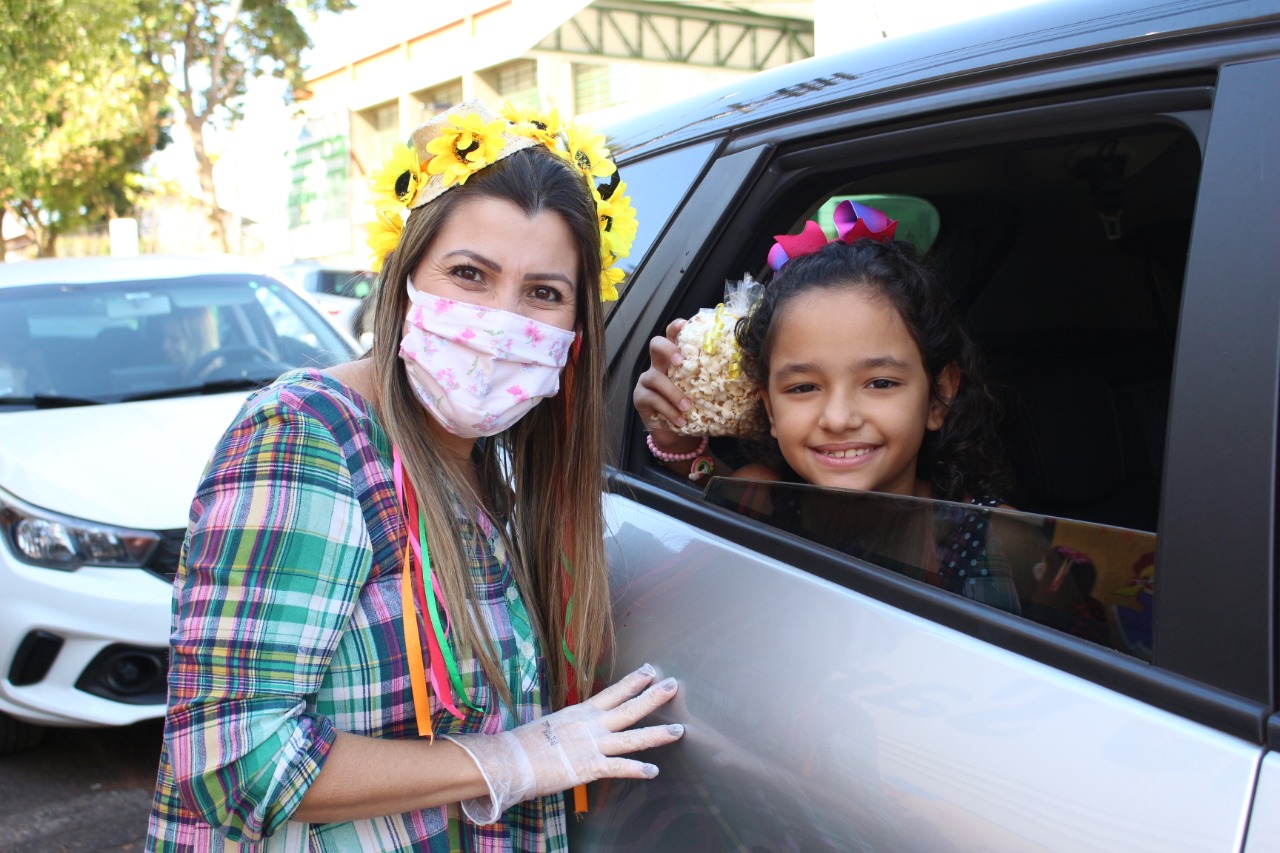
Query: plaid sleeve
x: 276, y: 556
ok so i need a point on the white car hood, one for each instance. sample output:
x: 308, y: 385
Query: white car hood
x: 129, y: 464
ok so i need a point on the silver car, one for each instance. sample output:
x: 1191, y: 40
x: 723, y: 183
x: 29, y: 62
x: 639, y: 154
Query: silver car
x: 1097, y: 183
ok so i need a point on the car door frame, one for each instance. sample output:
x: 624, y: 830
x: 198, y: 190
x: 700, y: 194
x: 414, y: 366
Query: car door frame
x: 1189, y: 677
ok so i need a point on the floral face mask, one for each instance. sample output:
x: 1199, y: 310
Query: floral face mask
x: 479, y: 370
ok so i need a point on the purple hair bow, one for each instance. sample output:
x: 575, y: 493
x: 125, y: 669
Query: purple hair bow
x: 853, y: 222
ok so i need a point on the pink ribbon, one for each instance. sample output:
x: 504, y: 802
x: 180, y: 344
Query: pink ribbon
x: 853, y: 222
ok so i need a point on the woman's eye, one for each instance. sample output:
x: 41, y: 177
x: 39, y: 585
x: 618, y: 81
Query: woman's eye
x: 467, y: 273
x: 881, y: 384
x: 803, y: 388
x: 546, y: 293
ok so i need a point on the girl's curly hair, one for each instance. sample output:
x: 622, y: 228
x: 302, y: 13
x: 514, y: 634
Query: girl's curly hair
x: 961, y: 460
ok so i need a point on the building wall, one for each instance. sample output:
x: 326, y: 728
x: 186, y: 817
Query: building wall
x: 588, y: 60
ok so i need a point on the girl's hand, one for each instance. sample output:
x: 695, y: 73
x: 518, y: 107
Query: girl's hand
x: 573, y: 746
x: 657, y: 399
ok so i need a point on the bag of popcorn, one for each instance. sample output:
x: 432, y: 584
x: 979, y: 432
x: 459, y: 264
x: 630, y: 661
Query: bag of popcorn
x: 724, y: 399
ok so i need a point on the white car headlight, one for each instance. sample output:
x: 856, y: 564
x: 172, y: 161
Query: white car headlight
x: 45, y: 538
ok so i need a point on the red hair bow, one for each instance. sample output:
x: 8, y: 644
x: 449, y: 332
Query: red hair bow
x: 853, y: 222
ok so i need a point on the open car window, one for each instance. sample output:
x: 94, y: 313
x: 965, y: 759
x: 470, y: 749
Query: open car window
x: 1087, y: 580
x: 1063, y: 233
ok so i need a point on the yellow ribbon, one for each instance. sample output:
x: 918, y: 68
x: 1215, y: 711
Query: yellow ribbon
x: 711, y: 340
x: 717, y: 326
x: 413, y: 650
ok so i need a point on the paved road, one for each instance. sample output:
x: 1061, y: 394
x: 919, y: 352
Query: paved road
x: 80, y: 791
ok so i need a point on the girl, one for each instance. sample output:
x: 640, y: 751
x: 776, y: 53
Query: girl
x: 867, y: 379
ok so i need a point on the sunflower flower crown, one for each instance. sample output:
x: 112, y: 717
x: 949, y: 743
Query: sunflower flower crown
x: 451, y: 147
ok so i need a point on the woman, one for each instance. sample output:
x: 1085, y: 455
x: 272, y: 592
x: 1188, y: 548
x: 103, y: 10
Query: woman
x: 395, y: 567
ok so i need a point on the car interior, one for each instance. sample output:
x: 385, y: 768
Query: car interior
x: 1066, y: 259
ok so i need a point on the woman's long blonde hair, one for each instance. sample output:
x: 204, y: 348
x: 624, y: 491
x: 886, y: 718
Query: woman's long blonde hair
x: 552, y: 498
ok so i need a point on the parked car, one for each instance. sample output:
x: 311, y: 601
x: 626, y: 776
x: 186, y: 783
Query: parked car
x: 341, y: 293
x: 1096, y: 183
x: 117, y: 376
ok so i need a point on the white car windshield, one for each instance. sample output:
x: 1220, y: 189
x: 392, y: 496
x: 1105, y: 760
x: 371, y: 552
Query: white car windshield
x: 104, y: 342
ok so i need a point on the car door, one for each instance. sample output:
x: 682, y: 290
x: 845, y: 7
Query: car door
x: 832, y: 700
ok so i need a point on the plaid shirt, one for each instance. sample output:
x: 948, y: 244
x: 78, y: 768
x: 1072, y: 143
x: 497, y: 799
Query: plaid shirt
x: 286, y: 628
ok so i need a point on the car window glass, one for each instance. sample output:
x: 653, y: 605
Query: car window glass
x: 117, y: 340
x: 656, y: 186
x: 1087, y: 580
x: 351, y: 284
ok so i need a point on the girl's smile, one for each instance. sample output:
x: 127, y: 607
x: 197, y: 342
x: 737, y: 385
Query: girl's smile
x: 849, y: 402
x: 843, y: 457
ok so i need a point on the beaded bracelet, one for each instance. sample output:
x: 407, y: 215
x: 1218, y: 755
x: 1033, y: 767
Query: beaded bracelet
x: 675, y: 457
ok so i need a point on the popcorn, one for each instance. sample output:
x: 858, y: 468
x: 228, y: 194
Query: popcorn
x: 724, y: 399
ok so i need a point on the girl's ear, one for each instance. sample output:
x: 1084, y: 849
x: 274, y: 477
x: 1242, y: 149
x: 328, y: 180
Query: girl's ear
x: 768, y: 410
x: 943, y: 393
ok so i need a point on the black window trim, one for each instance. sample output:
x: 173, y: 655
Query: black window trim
x: 1231, y: 289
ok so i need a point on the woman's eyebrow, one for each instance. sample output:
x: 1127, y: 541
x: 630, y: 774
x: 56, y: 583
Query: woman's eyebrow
x: 477, y: 257
x: 549, y: 276
x: 497, y: 267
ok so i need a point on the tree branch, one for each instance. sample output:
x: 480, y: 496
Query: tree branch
x: 218, y: 91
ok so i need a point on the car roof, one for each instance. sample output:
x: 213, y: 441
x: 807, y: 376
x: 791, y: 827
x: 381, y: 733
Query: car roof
x: 1045, y: 29
x: 138, y: 268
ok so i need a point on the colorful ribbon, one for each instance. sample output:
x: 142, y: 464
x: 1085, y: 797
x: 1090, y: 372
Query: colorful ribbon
x: 440, y: 667
x: 853, y: 221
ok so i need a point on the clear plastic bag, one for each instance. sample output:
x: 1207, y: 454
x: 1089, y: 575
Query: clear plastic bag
x: 725, y: 401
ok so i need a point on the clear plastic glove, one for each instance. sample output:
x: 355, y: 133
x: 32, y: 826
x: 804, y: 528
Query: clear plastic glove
x: 573, y: 746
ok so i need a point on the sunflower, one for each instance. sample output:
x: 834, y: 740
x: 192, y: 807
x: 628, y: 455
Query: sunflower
x: 617, y: 220
x: 527, y: 121
x: 587, y: 151
x: 465, y: 148
x: 610, y: 276
x: 395, y: 185
x: 385, y: 230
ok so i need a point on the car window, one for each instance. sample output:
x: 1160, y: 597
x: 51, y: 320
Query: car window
x: 114, y: 341
x: 1087, y: 580
x: 657, y: 185
x: 1064, y: 251
x: 351, y: 284
x: 1070, y: 294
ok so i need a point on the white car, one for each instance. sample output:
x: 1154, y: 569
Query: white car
x: 117, y: 376
x: 343, y: 294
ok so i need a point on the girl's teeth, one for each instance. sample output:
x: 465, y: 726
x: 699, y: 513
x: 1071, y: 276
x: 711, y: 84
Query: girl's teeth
x: 845, y: 454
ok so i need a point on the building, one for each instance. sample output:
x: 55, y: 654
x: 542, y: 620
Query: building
x: 585, y: 58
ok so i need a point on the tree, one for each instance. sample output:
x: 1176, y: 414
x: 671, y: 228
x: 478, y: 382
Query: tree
x: 80, y: 111
x: 217, y: 47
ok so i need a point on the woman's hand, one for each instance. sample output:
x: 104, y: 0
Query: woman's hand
x: 573, y: 746
x: 657, y: 399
